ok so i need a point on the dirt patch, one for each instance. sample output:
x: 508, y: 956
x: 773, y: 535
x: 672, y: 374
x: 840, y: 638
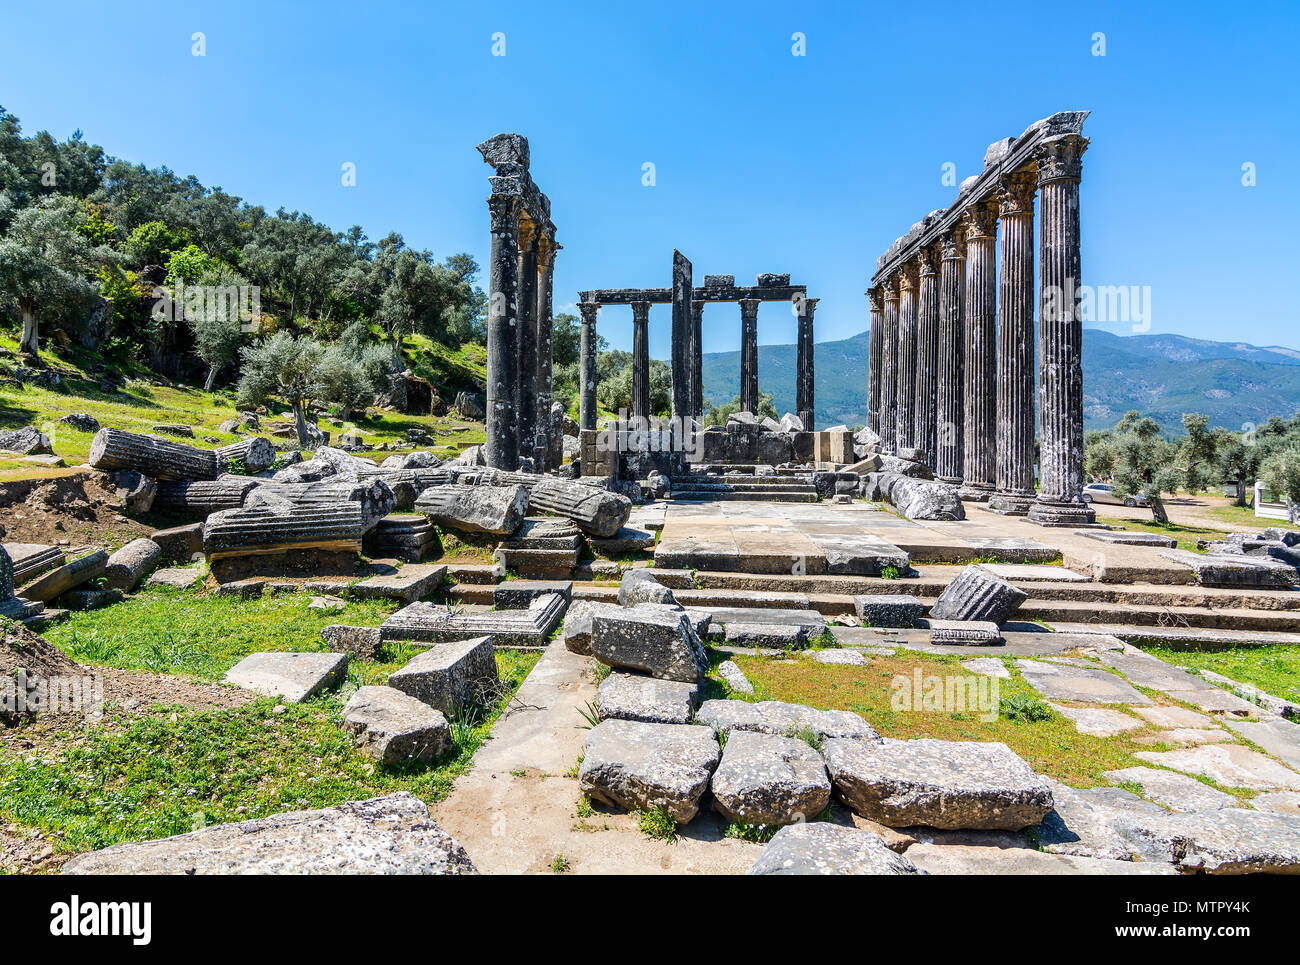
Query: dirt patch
x: 70, y: 509
x: 21, y: 649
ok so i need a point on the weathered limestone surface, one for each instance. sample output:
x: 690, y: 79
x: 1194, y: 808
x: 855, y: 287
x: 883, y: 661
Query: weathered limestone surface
x: 769, y: 779
x: 475, y: 509
x: 777, y: 717
x: 31, y: 559
x: 520, y: 594
x: 734, y: 677
x: 920, y: 498
x: 293, y: 676
x: 593, y: 510
x: 203, y: 497
x: 888, y: 609
x: 264, y: 529
x: 626, y: 696
x: 979, y: 447
x: 1231, y: 765
x: 395, y: 728
x: 650, y: 640
x: 635, y: 765
x: 387, y: 835
x: 1090, y: 685
x: 640, y: 586
x: 180, y: 544
x: 964, y: 633
x: 67, y: 577
x: 977, y: 594
x: 364, y: 643
x: 1178, y: 792
x: 434, y: 622
x: 822, y: 848
x: 776, y: 636
x: 410, y: 583
x: 131, y: 564
x: 951, y: 359
x: 974, y: 860
x: 156, y: 458
x: 255, y: 453
x: 941, y: 784
x: 451, y: 676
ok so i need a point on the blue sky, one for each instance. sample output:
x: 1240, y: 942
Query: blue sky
x: 764, y: 161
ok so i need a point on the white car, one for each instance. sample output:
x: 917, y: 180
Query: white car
x: 1105, y: 493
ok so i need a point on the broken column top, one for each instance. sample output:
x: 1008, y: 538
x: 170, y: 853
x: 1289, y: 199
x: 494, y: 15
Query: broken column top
x: 770, y: 280
x: 508, y: 153
x: 719, y: 281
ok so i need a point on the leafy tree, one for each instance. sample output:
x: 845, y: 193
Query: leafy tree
x: 717, y: 415
x: 1237, y: 462
x: 188, y: 265
x: 152, y: 243
x: 1280, y: 475
x: 43, y: 258
x: 1144, y: 462
x: 216, y: 324
x: 285, y: 366
x: 353, y: 372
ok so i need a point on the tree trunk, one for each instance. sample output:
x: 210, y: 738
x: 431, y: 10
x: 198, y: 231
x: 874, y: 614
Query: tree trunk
x: 300, y: 422
x: 1158, y: 510
x: 395, y: 340
x: 31, y: 331
x: 212, y: 377
x: 1241, y: 492
x: 1292, y: 511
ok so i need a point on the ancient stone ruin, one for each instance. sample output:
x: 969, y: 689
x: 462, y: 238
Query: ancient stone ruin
x: 952, y: 345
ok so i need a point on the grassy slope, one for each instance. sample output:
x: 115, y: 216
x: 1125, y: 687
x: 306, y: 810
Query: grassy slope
x: 142, y: 404
x: 171, y: 771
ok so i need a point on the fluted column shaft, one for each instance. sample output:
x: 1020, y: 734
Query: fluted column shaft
x: 683, y: 393
x: 805, y: 375
x: 979, y: 445
x: 889, y: 369
x: 875, y: 298
x: 951, y: 360
x: 587, y: 367
x: 905, y: 398
x: 527, y: 393
x: 1015, y: 473
x: 640, y: 360
x: 549, y: 447
x: 925, y: 423
x: 697, y: 359
x: 501, y: 448
x: 1060, y: 337
x: 749, y: 354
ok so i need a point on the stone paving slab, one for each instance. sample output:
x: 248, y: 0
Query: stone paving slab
x: 1079, y: 684
x: 1188, y: 736
x: 1098, y: 721
x: 293, y: 676
x: 1175, y: 791
x: 966, y: 860
x: 1279, y: 737
x: 1124, y: 537
x: 1278, y: 802
x: 1173, y: 717
x: 410, y: 583
x: 1015, y: 643
x: 1232, y: 765
x: 988, y: 666
x: 176, y: 577
x: 1035, y: 573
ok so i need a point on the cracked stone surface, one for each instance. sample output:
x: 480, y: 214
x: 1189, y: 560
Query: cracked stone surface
x: 988, y: 666
x: 1175, y: 791
x: 1098, y: 721
x: 628, y: 696
x: 293, y: 676
x: 1233, y: 765
x: 941, y: 784
x: 635, y: 765
x: 777, y: 717
x: 821, y: 848
x: 1083, y: 685
x: 767, y: 779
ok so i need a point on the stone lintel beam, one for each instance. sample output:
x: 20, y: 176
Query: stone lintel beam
x: 1009, y: 154
x: 664, y: 296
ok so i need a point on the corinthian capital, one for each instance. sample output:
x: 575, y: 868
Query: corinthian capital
x: 876, y: 298
x: 952, y: 245
x: 1061, y: 158
x: 504, y: 210
x: 1016, y: 192
x: 980, y: 220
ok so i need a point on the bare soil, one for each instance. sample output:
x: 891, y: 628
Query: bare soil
x: 76, y: 508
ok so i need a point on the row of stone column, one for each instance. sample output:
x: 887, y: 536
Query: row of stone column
x: 520, y: 305
x: 694, y: 360
x: 952, y: 350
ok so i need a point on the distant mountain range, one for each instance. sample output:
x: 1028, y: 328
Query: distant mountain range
x: 1162, y: 376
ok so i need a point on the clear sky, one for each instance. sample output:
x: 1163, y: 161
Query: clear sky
x: 764, y: 161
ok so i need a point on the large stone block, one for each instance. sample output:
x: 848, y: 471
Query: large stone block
x: 977, y: 594
x: 660, y: 642
x: 941, y: 784
x: 625, y: 696
x: 394, y: 727
x: 767, y: 779
x: 786, y: 720
x: 821, y: 848
x: 293, y: 676
x: 451, y: 676
x: 386, y: 835
x: 640, y: 586
x: 900, y: 610
x: 635, y: 765
x: 475, y: 509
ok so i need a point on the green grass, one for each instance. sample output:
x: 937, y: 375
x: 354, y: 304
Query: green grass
x: 169, y: 773
x: 658, y: 824
x: 1273, y: 669
x: 1047, y: 740
x: 200, y: 635
x: 1243, y: 517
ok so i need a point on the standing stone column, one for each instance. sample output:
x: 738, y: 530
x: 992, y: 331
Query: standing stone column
x: 952, y: 355
x: 889, y: 369
x: 697, y: 359
x: 905, y: 398
x: 979, y: 444
x: 805, y: 375
x: 683, y: 393
x: 749, y: 354
x: 875, y: 298
x: 925, y: 431
x: 528, y: 362
x: 640, y: 360
x: 501, y: 449
x: 1060, y: 336
x: 1015, y: 474
x: 548, y: 450
x: 587, y: 367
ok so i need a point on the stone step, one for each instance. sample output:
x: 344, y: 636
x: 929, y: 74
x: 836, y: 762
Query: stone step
x: 1067, y: 611
x: 769, y: 497
x: 1184, y: 638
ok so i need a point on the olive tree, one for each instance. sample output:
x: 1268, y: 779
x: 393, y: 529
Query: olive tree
x: 285, y: 366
